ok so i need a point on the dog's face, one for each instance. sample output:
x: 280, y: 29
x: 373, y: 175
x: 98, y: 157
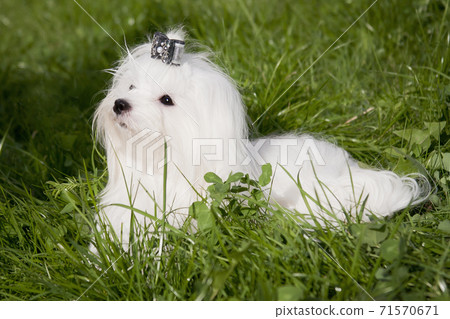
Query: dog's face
x: 146, y: 94
x: 185, y: 102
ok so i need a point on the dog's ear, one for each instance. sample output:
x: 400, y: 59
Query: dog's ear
x: 221, y: 104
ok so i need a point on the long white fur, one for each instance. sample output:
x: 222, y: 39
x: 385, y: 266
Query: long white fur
x: 209, y: 106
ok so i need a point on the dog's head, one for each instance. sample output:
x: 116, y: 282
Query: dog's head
x: 194, y: 99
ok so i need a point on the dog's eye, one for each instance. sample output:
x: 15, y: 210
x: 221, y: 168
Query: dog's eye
x: 166, y: 100
x: 131, y: 87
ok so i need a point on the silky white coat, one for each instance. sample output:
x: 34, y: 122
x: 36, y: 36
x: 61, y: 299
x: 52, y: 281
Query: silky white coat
x: 206, y: 130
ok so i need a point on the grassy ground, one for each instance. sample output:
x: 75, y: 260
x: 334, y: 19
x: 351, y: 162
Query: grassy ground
x: 382, y: 92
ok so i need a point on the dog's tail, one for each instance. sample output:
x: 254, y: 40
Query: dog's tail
x: 383, y: 192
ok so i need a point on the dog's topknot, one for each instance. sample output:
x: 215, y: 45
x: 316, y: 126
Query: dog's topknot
x: 176, y: 34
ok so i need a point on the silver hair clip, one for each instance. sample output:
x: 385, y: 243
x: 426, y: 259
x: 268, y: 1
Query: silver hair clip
x: 168, y: 50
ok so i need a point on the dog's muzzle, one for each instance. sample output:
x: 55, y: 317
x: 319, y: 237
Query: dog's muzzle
x: 120, y: 106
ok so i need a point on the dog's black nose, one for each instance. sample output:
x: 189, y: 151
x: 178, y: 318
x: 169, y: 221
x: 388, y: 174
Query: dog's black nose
x: 121, y: 105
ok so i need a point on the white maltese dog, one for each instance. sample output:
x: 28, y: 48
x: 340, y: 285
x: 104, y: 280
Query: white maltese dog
x: 165, y: 104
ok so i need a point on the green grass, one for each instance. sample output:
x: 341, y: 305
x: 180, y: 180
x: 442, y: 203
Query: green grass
x: 393, y: 62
